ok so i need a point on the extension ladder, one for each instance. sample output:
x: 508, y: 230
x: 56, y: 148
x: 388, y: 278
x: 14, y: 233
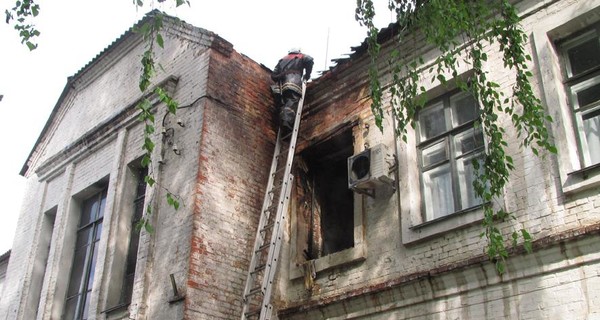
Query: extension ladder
x: 265, y: 255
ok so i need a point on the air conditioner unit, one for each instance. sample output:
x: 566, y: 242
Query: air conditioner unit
x: 369, y: 170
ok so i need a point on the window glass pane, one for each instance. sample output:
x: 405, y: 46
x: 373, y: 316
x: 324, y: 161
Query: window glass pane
x: 127, y: 289
x: 85, y: 306
x: 98, y: 231
x: 132, y: 253
x: 87, y: 212
x: 70, y: 307
x: 437, y: 192
x: 92, y: 266
x: 141, y: 185
x: 467, y: 141
x: 434, y: 154
x: 100, y: 212
x: 432, y: 121
x: 138, y: 210
x: 464, y: 108
x: 584, y: 56
x: 76, y: 272
x: 83, y: 238
x: 591, y: 125
x: 466, y: 175
x: 588, y: 93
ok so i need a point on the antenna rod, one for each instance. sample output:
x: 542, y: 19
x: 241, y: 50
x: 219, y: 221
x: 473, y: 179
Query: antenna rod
x: 326, y: 50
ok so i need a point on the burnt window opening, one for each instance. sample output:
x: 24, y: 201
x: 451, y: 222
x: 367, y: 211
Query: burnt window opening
x: 325, y: 204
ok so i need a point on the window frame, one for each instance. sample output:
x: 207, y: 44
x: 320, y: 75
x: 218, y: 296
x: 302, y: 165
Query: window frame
x: 576, y: 83
x: 546, y: 36
x: 413, y: 226
x: 452, y: 159
x: 134, y: 192
x: 130, y: 264
x: 90, y: 259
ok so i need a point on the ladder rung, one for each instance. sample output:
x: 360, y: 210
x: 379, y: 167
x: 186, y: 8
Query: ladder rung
x: 287, y: 135
x: 263, y: 247
x: 284, y: 152
x: 271, y: 207
x: 275, y: 188
x: 267, y: 227
x: 259, y: 268
x: 252, y: 313
x: 254, y: 291
x: 278, y: 171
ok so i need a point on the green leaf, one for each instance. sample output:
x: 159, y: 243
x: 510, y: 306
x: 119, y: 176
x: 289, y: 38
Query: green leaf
x: 149, y: 180
x: 527, y: 241
x: 145, y: 161
x: 148, y: 144
x: 172, y: 202
x: 31, y: 46
x: 159, y: 40
x: 148, y: 227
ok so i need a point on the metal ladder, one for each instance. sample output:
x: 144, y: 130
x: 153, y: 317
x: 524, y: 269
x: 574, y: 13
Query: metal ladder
x: 265, y: 255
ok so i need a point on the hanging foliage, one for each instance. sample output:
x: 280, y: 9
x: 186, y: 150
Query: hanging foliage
x: 463, y: 32
x: 20, y: 16
x: 151, y: 32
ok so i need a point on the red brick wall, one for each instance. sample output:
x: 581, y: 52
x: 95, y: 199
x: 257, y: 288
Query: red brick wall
x: 235, y: 154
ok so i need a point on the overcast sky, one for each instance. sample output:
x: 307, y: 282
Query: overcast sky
x: 74, y: 32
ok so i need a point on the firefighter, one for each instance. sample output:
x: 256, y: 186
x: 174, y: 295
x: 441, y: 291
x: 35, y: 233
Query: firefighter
x: 289, y: 73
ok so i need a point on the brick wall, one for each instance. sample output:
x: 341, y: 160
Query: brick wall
x: 237, y: 143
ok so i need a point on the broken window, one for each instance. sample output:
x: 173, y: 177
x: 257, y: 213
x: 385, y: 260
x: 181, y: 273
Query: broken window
x: 325, y: 205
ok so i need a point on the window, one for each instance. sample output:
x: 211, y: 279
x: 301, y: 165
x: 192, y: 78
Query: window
x: 327, y: 204
x: 448, y: 143
x: 566, y: 49
x: 581, y: 63
x: 134, y: 237
x: 327, y: 217
x: 41, y: 258
x: 84, y: 260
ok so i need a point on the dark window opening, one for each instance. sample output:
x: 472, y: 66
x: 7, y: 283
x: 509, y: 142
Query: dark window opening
x: 134, y: 237
x: 84, y: 261
x: 325, y: 204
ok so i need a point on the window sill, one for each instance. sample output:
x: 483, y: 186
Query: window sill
x: 351, y: 255
x: 428, y: 229
x: 117, y: 311
x: 583, y: 179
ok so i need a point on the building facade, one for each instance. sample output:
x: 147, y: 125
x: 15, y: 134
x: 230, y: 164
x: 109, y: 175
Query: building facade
x: 415, y: 252
x: 77, y: 253
x: 402, y: 243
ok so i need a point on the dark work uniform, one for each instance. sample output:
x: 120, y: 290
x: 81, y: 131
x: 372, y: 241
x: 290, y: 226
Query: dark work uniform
x: 288, y: 75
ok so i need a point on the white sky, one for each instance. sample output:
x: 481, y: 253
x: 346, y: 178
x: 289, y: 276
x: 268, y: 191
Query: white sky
x: 74, y: 32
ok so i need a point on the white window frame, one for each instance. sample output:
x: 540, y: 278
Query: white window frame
x: 414, y: 226
x: 452, y: 160
x: 577, y: 83
x: 575, y: 175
